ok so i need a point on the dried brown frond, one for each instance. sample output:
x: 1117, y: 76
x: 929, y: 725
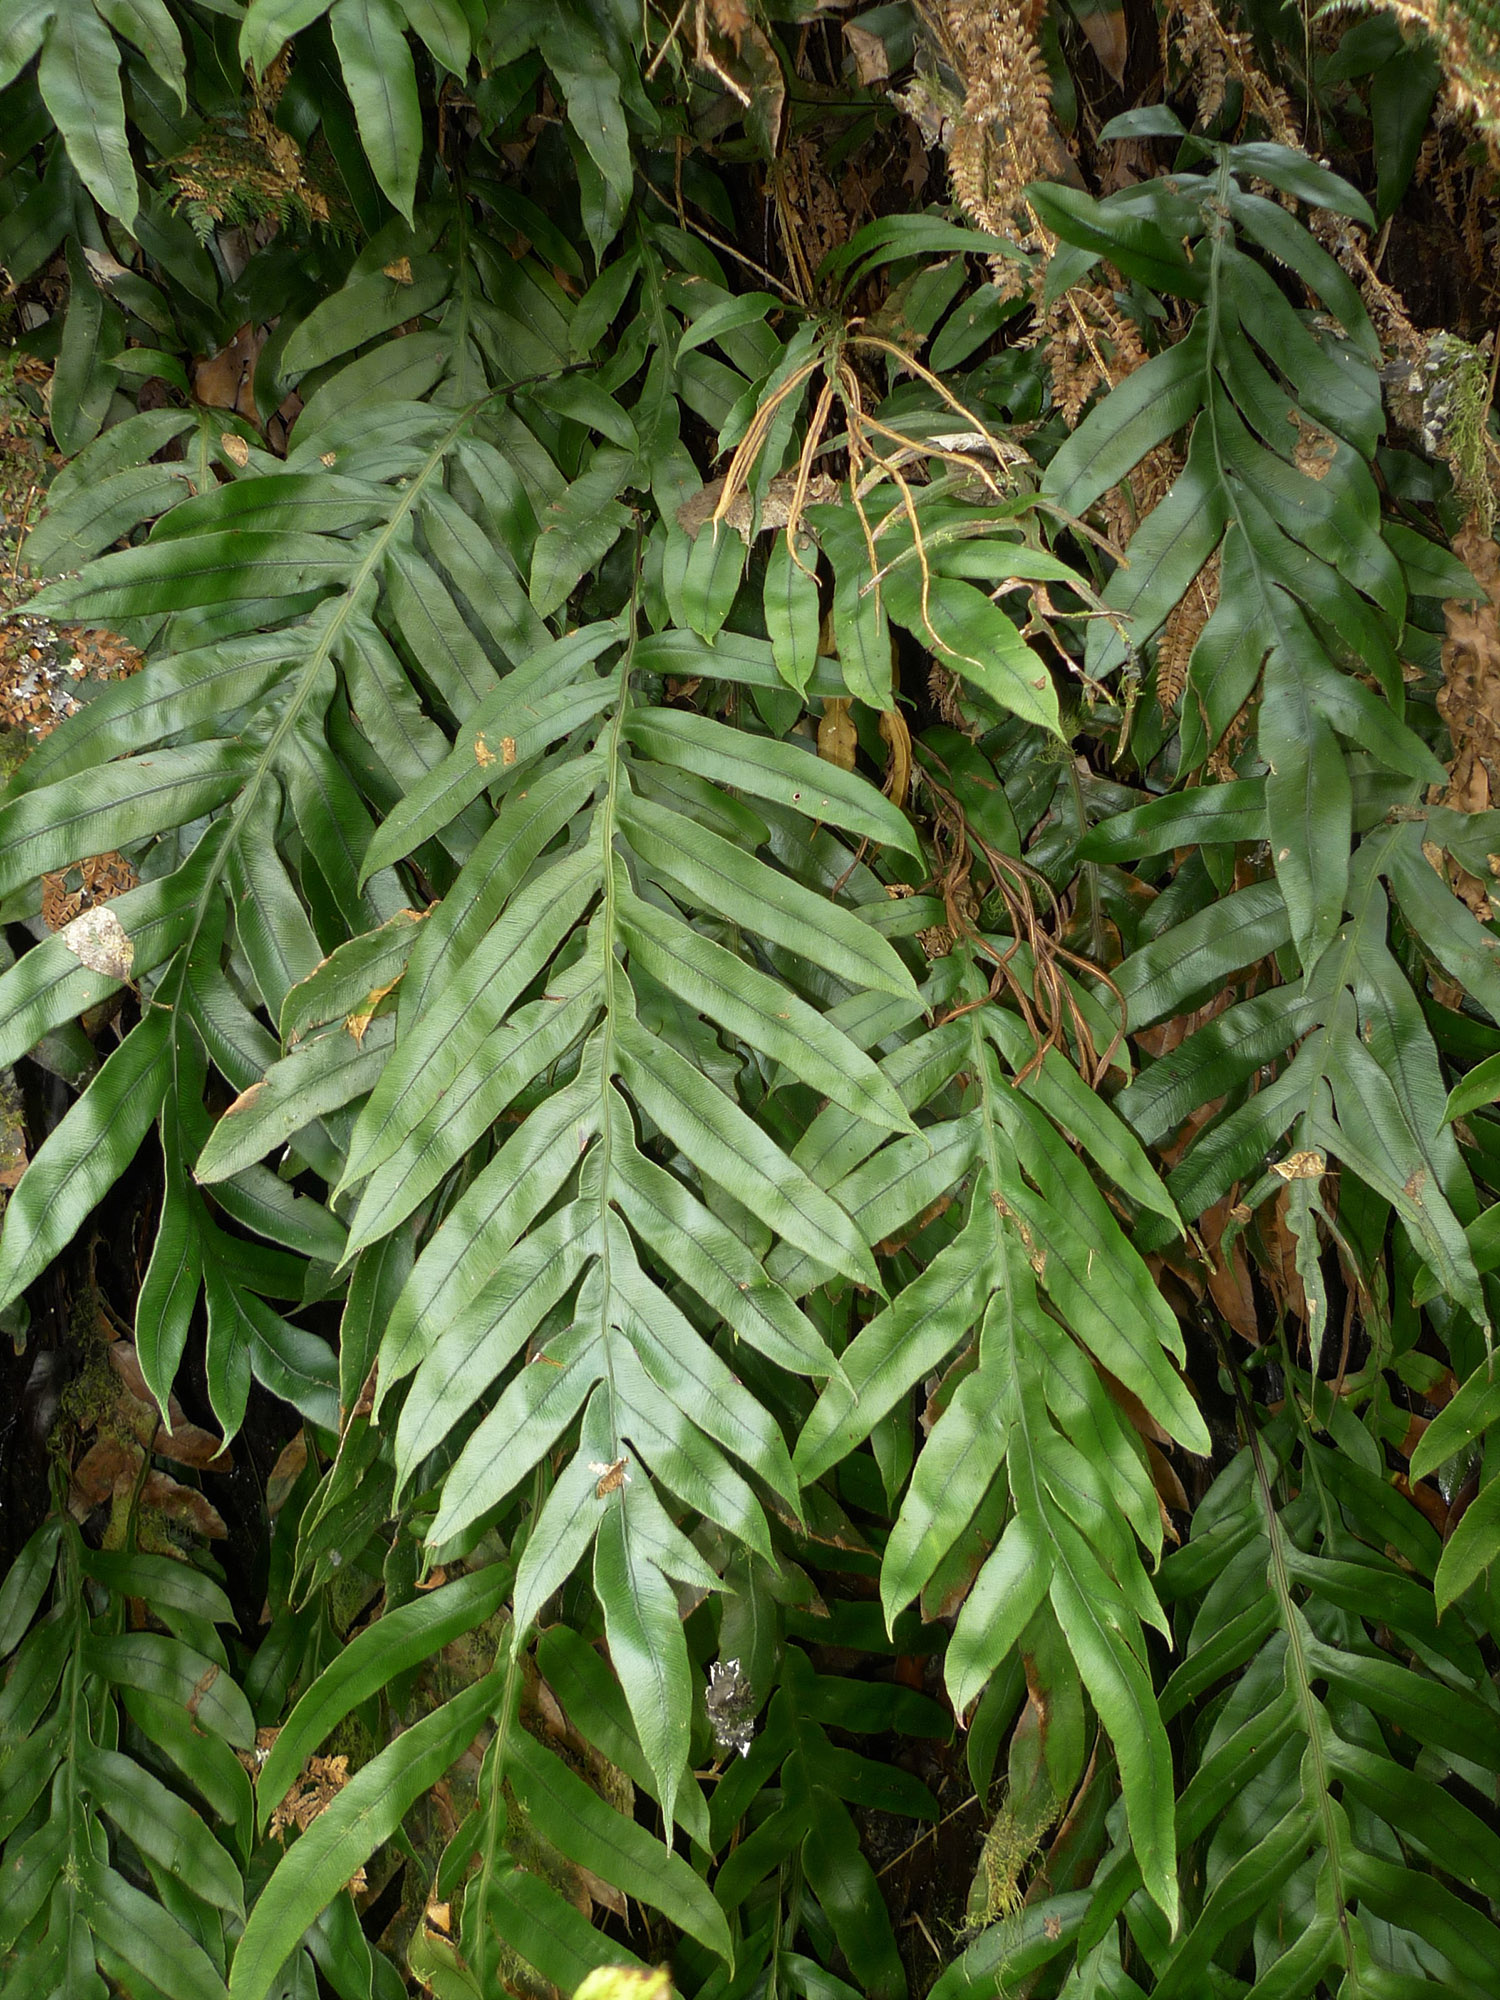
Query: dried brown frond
x: 812, y: 218
x: 1200, y: 51
x: 1346, y: 241
x: 1125, y: 506
x: 1091, y: 345
x: 1001, y: 137
x: 1212, y: 56
x: 876, y: 453
x: 1185, y: 622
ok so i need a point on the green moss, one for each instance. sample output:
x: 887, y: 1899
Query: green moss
x: 352, y: 1739
x: 1455, y: 385
x: 90, y: 1401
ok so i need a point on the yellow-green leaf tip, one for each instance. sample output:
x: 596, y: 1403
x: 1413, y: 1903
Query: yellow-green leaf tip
x: 625, y: 1982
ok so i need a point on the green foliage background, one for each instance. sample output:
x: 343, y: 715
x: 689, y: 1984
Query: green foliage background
x: 699, y: 1210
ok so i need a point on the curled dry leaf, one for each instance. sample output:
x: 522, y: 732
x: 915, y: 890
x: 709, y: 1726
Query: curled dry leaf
x: 223, y: 380
x: 898, y: 768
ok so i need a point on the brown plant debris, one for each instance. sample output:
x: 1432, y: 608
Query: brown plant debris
x: 315, y: 1788
x: 1185, y: 623
x: 13, y: 1147
x: 39, y: 664
x: 1469, y: 701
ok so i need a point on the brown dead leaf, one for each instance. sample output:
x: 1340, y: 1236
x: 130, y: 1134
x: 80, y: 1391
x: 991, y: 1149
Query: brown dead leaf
x: 1171, y: 1495
x: 545, y: 1708
x: 112, y: 1465
x: 898, y: 769
x: 106, y: 1460
x: 225, y: 381
x: 288, y: 1469
x: 837, y: 738
x: 1415, y: 1426
x: 68, y: 893
x: 1425, y: 1498
x: 1141, y: 1419
x: 740, y: 57
x: 1229, y: 1283
x: 604, y: 1894
x: 185, y: 1442
x: 1281, y: 1252
x: 185, y: 1505
x: 871, y: 62
x: 399, y: 270
x: 1108, y: 39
